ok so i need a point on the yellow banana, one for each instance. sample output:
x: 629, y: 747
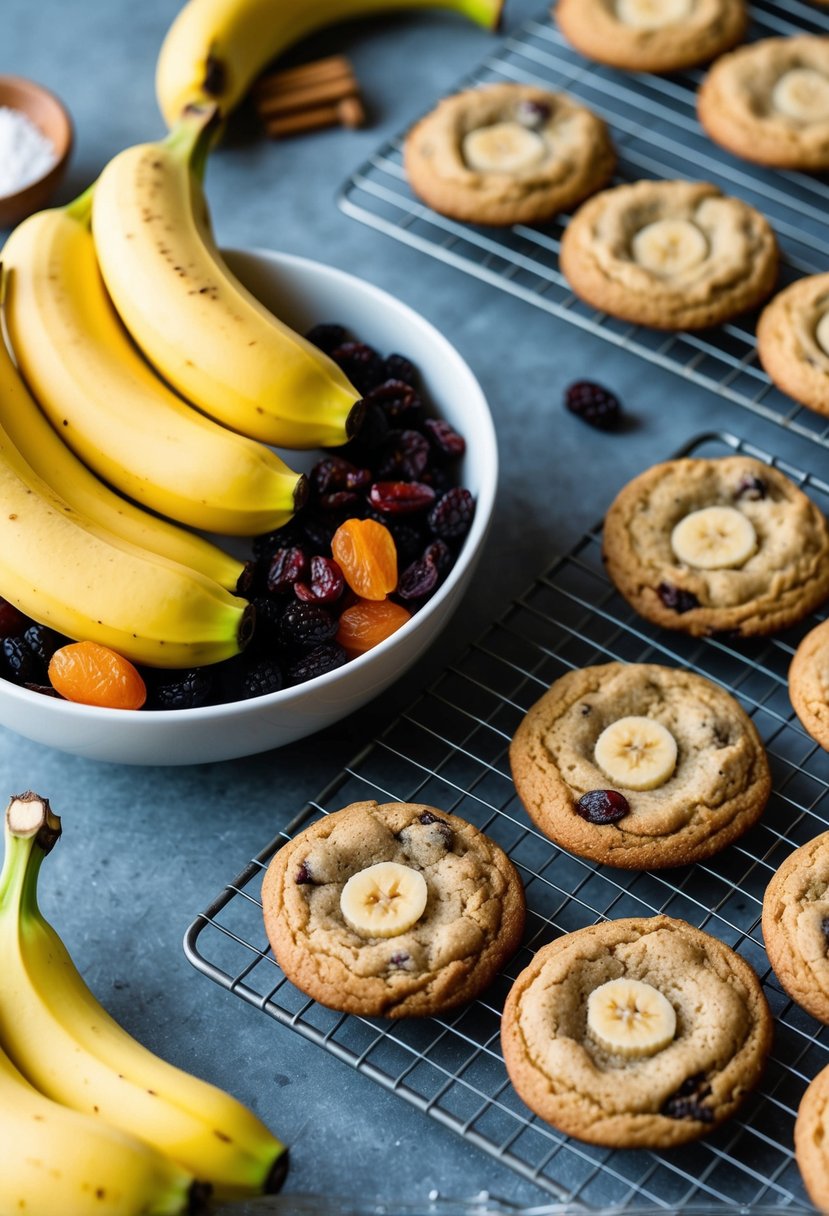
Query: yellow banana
x: 215, y: 49
x: 92, y: 1065
x: 43, y: 449
x: 110, y: 407
x: 206, y: 333
x: 64, y: 570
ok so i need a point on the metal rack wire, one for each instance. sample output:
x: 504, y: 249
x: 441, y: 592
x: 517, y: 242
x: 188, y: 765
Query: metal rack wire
x: 654, y: 127
x: 450, y: 749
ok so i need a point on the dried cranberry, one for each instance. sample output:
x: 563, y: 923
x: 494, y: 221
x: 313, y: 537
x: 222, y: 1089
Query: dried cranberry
x: 602, y: 806
x: 398, y: 367
x: 752, y: 488
x: 303, y: 874
x: 361, y: 364
x: 327, y: 337
x: 418, y: 580
x: 286, y: 567
x: 532, y: 114
x: 686, y: 1102
x: 398, y: 399
x: 400, y: 497
x: 445, y: 440
x: 334, y: 473
x: 12, y: 620
x: 182, y: 689
x: 342, y: 500
x: 326, y: 583
x: 593, y: 404
x: 427, y: 817
x: 317, y: 662
x: 306, y: 624
x: 404, y: 456
x: 19, y: 664
x: 676, y: 598
x: 451, y: 516
x: 439, y: 553
x: 399, y: 960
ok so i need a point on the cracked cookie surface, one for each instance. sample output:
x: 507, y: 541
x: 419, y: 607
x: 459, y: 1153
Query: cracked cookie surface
x: 784, y: 580
x: 718, y: 254
x: 472, y: 922
x: 809, y: 683
x: 793, y: 341
x: 718, y: 788
x: 796, y: 925
x: 598, y: 29
x: 811, y: 1140
x: 554, y: 152
x: 741, y: 106
x: 723, y: 1035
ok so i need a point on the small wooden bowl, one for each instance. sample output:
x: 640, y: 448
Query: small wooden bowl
x: 50, y: 115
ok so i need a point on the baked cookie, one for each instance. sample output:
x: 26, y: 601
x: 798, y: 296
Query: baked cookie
x: 652, y: 35
x: 672, y: 255
x: 809, y: 683
x: 507, y: 154
x: 639, y: 766
x: 793, y: 341
x: 727, y: 545
x: 394, y: 910
x: 640, y: 1033
x: 811, y: 1140
x: 769, y: 102
x: 796, y: 926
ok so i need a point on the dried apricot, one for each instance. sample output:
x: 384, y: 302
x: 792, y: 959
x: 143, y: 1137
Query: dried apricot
x: 369, y: 622
x: 366, y: 554
x: 95, y: 675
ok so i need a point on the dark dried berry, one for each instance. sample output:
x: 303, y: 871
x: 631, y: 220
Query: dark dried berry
x: 445, y: 440
x: 348, y: 501
x: 361, y: 364
x: 325, y: 585
x: 585, y: 710
x: 398, y: 367
x: 398, y: 400
x: 404, y: 456
x: 752, y: 488
x: 602, y: 806
x: 333, y: 473
x: 451, y: 516
x: 408, y: 534
x: 260, y: 678
x: 676, y: 598
x: 19, y: 663
x: 532, y: 114
x: 316, y: 663
x: 286, y: 567
x: 303, y: 874
x: 327, y: 337
x: 418, y: 580
x: 12, y: 620
x: 399, y: 960
x: 400, y: 497
x: 439, y: 553
x: 306, y: 624
x: 686, y: 1103
x: 286, y: 537
x: 427, y: 817
x: 319, y: 528
x: 593, y: 404
x: 43, y: 642
x: 182, y: 689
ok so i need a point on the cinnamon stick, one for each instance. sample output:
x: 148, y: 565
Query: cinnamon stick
x: 306, y: 98
x: 305, y: 74
x: 347, y: 113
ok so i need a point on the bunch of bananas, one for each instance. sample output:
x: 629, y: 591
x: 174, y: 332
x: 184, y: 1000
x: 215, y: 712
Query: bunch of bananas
x: 90, y: 1121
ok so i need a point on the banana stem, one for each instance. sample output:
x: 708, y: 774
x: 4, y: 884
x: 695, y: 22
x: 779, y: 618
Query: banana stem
x: 192, y: 136
x: 31, y: 831
x: 81, y: 207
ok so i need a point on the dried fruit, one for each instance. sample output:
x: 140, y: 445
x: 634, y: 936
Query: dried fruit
x: 686, y: 1102
x: 368, y: 622
x: 676, y: 598
x: 593, y: 404
x: 43, y: 642
x: 95, y: 675
x: 452, y: 515
x: 398, y: 367
x: 365, y: 552
x: 287, y: 567
x: 18, y: 663
x: 445, y: 440
x: 303, y: 874
x: 361, y: 364
x: 398, y: 400
x: 325, y: 584
x: 333, y: 473
x: 260, y: 678
x: 317, y: 663
x: 183, y: 689
x: 752, y: 488
x: 405, y: 455
x: 306, y: 624
x: 400, y: 497
x: 602, y: 806
x: 418, y: 580
x: 532, y: 114
x: 327, y: 337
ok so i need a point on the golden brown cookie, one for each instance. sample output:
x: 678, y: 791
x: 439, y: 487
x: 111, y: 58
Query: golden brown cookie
x: 769, y: 102
x: 672, y: 255
x: 603, y: 1066
x: 652, y: 35
x: 793, y: 341
x: 811, y: 1140
x: 426, y: 932
x: 809, y: 683
x: 507, y: 154
x: 639, y: 766
x: 726, y: 545
x: 796, y: 926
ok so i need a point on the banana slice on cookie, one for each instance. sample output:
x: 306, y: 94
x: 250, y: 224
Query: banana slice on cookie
x: 652, y: 14
x: 802, y: 94
x: 822, y: 333
x: 714, y: 538
x: 637, y: 753
x: 503, y: 147
x: 630, y: 1018
x: 670, y: 246
x: 384, y: 899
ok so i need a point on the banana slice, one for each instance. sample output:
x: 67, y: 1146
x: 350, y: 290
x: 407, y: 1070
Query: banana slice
x: 802, y: 94
x: 652, y: 14
x: 384, y: 899
x: 630, y: 1018
x: 669, y: 247
x: 715, y: 538
x: 504, y: 147
x: 822, y: 333
x: 637, y: 753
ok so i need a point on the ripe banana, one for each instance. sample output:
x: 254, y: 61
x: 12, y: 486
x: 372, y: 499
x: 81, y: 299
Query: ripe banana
x: 652, y: 14
x: 714, y: 538
x: 630, y: 1018
x: 205, y: 332
x: 670, y: 246
x: 51, y: 459
x: 215, y: 49
x: 802, y: 94
x: 503, y: 147
x: 637, y: 753
x: 92, y: 1065
x: 384, y: 899
x: 107, y: 403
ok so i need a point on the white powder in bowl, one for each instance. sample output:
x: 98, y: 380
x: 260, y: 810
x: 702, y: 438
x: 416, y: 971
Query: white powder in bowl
x: 25, y: 152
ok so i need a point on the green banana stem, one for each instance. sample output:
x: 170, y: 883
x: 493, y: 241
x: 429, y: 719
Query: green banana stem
x: 194, y: 135
x: 81, y: 207
x: 31, y: 831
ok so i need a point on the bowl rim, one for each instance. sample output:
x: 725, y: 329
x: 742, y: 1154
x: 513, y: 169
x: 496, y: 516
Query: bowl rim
x: 485, y: 437
x: 26, y: 84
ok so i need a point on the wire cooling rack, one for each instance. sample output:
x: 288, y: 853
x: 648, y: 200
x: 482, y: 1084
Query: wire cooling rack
x: 654, y: 127
x: 450, y: 749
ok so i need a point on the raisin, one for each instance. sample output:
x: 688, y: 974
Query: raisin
x: 343, y: 501
x: 676, y: 598
x: 182, y: 689
x: 398, y: 367
x: 306, y: 624
x: 361, y: 364
x: 686, y: 1102
x: 397, y: 399
x: 286, y: 537
x: 439, y: 553
x: 399, y: 960
x: 532, y: 114
x: 445, y: 440
x: 303, y: 874
x: 404, y: 456
x: 400, y: 497
x: 451, y: 517
x: 325, y: 584
x: 593, y: 404
x: 19, y: 663
x: 418, y: 580
x: 95, y: 675
x: 12, y: 620
x: 287, y: 566
x: 752, y: 488
x: 317, y: 662
x: 602, y: 806
x: 327, y: 337
x: 334, y: 473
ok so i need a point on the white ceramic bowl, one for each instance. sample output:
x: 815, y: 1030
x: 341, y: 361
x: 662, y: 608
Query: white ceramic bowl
x: 304, y: 293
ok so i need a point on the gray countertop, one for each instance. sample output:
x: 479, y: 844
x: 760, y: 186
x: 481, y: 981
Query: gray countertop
x: 145, y: 849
